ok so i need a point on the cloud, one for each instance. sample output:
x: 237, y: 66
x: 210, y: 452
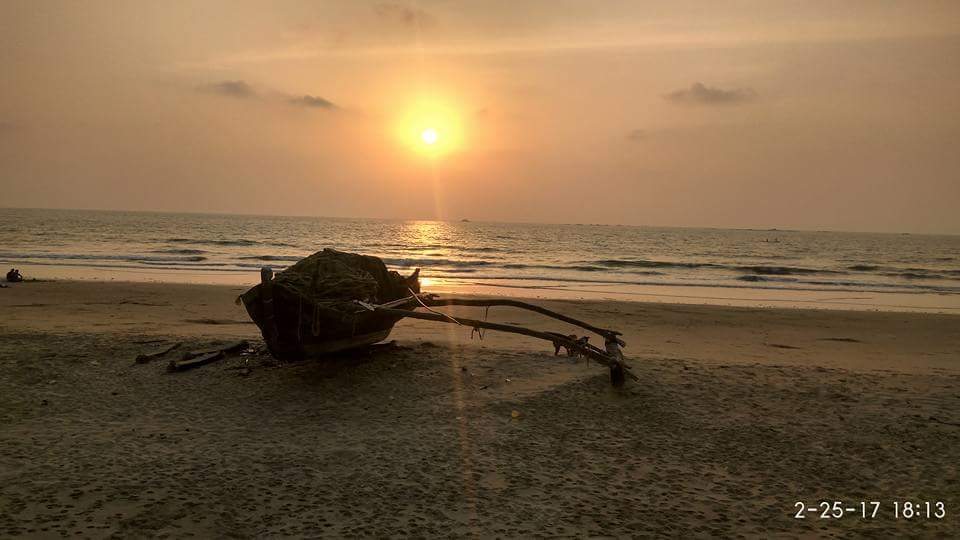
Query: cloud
x: 313, y: 101
x: 701, y: 94
x: 238, y: 89
x: 242, y: 90
x: 405, y: 15
x: 637, y: 135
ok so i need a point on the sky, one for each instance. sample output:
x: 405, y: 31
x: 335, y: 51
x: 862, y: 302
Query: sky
x: 788, y: 114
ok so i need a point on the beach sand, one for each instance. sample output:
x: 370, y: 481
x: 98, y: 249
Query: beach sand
x: 739, y: 414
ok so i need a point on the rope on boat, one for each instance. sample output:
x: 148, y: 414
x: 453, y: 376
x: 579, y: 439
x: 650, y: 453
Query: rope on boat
x: 428, y: 308
x: 477, y: 329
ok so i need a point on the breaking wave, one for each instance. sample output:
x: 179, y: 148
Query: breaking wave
x: 238, y: 242
x: 100, y: 257
x: 180, y: 251
x: 283, y: 258
x: 627, y: 263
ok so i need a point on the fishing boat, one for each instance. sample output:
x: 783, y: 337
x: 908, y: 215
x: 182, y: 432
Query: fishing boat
x: 334, y: 301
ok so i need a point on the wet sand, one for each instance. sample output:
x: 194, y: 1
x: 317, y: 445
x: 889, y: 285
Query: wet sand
x: 739, y: 414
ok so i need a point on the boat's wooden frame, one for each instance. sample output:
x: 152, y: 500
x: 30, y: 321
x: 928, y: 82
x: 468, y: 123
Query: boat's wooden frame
x: 372, y: 323
x: 610, y: 356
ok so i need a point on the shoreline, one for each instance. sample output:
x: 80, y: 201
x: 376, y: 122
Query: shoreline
x: 855, y: 339
x: 759, y: 296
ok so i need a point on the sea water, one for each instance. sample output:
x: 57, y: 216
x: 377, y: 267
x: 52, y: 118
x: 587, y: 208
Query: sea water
x: 837, y: 269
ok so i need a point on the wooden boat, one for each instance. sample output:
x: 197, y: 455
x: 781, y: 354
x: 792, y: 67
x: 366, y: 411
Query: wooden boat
x: 333, y: 301
x: 310, y: 308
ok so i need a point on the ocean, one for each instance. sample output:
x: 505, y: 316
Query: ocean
x: 755, y: 267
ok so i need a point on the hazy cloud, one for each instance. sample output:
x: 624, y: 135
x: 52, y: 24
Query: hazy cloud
x: 313, y: 101
x: 701, y: 94
x: 239, y: 89
x: 243, y: 90
x: 405, y: 15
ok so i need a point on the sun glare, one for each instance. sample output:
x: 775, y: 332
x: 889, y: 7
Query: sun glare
x: 429, y: 136
x: 430, y: 127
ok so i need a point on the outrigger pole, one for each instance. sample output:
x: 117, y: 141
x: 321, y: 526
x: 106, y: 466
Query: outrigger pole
x: 611, y: 356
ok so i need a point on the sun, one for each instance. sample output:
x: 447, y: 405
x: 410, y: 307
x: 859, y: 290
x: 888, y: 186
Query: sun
x: 429, y: 136
x: 430, y: 126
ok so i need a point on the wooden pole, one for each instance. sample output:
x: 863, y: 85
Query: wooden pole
x: 615, y: 364
x: 607, y: 334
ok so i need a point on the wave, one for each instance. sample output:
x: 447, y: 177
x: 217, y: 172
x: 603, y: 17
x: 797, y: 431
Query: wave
x: 234, y: 242
x: 255, y: 265
x: 422, y: 247
x: 100, y: 257
x: 520, y: 266
x: 785, y: 270
x: 398, y: 262
x: 574, y: 267
x: 916, y: 275
x: 180, y: 251
x: 752, y: 269
x: 907, y: 273
x: 284, y: 258
x: 626, y: 263
x: 466, y: 263
x: 119, y: 265
x: 409, y: 262
x: 754, y: 277
x: 820, y: 286
x: 186, y: 265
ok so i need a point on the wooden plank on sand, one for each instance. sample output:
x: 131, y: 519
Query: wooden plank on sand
x: 194, y: 359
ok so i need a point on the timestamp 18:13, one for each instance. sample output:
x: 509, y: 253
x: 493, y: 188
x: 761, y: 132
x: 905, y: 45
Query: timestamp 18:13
x: 870, y: 510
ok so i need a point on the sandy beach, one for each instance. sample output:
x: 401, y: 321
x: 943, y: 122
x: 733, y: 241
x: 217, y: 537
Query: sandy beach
x: 760, y: 198
x: 739, y: 414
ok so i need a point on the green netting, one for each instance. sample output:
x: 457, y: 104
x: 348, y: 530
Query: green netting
x: 327, y: 277
x: 334, y: 279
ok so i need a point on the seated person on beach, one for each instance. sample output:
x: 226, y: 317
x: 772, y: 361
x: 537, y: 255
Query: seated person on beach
x: 13, y: 276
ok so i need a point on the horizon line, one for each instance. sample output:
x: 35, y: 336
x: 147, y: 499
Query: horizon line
x: 467, y: 219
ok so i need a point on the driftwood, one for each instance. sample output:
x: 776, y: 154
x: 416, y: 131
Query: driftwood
x: 144, y: 358
x: 197, y: 361
x: 233, y: 346
x: 194, y: 359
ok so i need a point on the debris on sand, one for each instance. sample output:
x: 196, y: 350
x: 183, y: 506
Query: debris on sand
x: 194, y: 359
x: 145, y: 358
